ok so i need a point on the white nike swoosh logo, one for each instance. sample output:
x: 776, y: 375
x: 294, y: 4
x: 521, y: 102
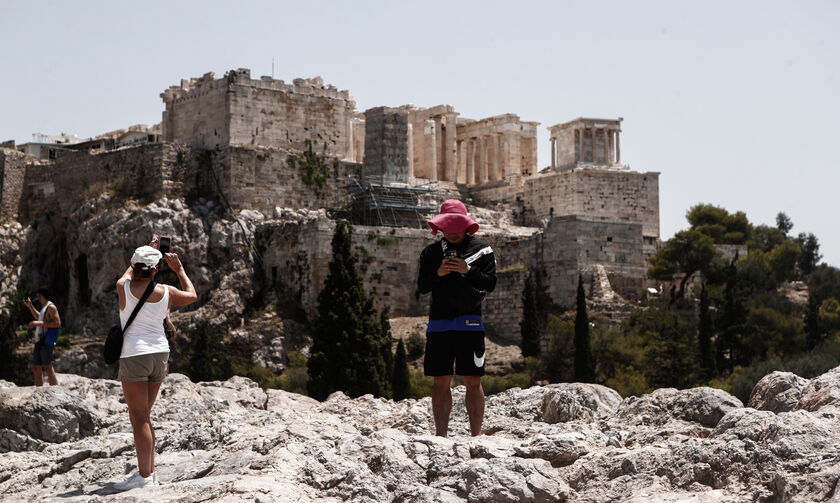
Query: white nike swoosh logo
x: 479, y: 362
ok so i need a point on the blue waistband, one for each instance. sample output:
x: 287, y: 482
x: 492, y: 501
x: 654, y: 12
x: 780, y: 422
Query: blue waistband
x: 463, y: 323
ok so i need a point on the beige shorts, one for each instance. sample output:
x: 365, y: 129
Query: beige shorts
x: 151, y: 368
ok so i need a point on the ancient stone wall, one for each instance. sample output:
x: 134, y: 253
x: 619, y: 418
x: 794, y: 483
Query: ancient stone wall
x: 387, y: 145
x: 261, y: 178
x: 297, y: 255
x: 576, y: 244
x: 238, y: 110
x: 593, y: 192
x: 12, y: 176
x: 197, y: 113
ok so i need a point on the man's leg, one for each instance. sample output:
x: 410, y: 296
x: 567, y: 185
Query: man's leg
x: 475, y: 403
x: 38, y: 372
x: 51, y: 375
x: 442, y: 404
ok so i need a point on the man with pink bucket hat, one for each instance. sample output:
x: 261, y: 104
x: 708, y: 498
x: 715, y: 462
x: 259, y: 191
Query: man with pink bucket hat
x: 459, y: 270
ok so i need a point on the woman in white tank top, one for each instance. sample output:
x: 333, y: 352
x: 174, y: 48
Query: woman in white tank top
x: 145, y: 350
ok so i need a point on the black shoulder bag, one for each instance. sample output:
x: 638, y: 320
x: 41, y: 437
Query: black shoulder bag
x: 114, y: 341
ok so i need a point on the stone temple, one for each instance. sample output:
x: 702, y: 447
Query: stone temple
x: 265, y: 145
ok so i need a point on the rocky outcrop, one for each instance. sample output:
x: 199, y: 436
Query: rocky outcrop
x: 232, y: 441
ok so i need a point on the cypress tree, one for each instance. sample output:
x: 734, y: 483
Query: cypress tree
x: 584, y: 364
x: 529, y: 327
x: 347, y: 347
x: 729, y: 350
x: 812, y: 322
x: 704, y: 336
x: 401, y: 382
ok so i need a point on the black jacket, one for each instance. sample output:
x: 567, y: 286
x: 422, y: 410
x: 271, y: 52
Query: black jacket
x: 482, y: 276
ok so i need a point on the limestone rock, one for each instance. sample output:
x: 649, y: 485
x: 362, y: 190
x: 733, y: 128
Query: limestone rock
x: 232, y: 441
x: 777, y: 392
x: 568, y: 402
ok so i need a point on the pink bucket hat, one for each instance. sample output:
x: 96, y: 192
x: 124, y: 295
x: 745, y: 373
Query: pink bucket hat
x: 453, y: 218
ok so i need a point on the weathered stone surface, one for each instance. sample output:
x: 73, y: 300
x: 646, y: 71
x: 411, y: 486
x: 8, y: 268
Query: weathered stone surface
x: 568, y: 402
x: 822, y: 393
x: 777, y: 392
x: 231, y: 441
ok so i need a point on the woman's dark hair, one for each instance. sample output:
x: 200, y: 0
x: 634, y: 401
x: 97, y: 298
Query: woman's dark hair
x: 142, y: 271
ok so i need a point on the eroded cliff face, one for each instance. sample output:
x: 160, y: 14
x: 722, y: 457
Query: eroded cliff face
x: 231, y: 441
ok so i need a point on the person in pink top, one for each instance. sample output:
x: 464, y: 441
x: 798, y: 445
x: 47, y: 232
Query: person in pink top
x: 145, y: 350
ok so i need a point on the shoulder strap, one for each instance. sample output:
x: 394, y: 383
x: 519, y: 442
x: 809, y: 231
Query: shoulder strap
x: 140, y: 303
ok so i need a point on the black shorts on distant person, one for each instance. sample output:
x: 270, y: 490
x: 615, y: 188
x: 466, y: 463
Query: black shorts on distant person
x: 464, y: 350
x: 43, y: 354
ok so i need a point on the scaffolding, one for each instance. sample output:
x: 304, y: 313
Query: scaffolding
x: 378, y: 203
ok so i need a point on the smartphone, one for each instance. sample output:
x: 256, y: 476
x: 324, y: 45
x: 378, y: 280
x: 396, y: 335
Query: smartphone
x: 452, y: 255
x: 164, y: 244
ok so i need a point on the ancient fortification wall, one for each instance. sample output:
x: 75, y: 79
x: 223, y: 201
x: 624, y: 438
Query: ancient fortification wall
x: 12, y: 176
x: 238, y: 110
x: 260, y: 178
x: 575, y: 244
x: 297, y: 255
x: 594, y: 192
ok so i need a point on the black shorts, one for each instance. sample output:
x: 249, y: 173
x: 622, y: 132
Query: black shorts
x: 463, y: 349
x: 43, y: 355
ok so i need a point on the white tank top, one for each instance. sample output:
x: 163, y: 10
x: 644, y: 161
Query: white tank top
x: 145, y: 334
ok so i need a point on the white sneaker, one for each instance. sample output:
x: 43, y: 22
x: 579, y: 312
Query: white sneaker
x: 136, y: 480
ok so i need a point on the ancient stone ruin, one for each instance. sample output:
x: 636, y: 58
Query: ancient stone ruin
x: 272, y: 147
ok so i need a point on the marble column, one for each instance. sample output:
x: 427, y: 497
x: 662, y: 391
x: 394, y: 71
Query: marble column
x: 449, y: 154
x: 606, y: 146
x: 581, y: 131
x: 617, y: 147
x: 471, y: 161
x: 410, y: 152
x: 430, y: 163
x: 553, y: 153
x: 481, y: 175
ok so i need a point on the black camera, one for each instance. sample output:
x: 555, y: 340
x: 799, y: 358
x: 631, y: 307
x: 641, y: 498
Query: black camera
x: 165, y: 244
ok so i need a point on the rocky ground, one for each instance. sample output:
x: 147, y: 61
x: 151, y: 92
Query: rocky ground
x: 233, y: 442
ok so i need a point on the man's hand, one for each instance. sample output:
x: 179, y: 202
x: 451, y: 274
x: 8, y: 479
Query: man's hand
x: 455, y: 264
x: 27, y: 302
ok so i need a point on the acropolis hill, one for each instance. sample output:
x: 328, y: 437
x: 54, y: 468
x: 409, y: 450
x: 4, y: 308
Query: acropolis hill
x: 264, y: 145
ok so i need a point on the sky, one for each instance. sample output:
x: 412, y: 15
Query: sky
x: 735, y: 103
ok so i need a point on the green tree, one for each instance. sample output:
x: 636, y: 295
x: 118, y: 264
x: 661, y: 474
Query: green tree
x: 13, y: 317
x: 557, y: 360
x: 401, y: 380
x: 824, y: 282
x: 584, y: 364
x: 347, y: 346
x: 669, y: 351
x: 810, y: 256
x: 782, y: 261
x: 812, y: 323
x: 529, y: 327
x: 208, y: 360
x: 717, y: 223
x: 783, y: 222
x: 829, y: 315
x: 704, y: 336
x: 730, y: 323
x: 687, y: 253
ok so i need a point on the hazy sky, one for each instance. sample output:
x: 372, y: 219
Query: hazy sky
x: 735, y: 103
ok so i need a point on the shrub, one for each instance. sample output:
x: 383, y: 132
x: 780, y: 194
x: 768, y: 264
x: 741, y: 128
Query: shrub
x: 415, y: 346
